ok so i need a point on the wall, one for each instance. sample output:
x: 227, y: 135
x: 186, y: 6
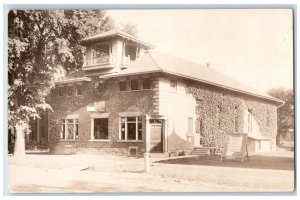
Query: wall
x: 265, y: 115
x: 116, y: 103
x: 220, y: 111
x: 177, y: 107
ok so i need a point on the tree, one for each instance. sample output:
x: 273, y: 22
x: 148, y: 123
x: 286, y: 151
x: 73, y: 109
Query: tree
x: 129, y: 28
x: 285, y: 119
x: 40, y: 44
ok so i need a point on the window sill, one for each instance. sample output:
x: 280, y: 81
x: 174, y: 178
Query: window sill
x: 136, y: 141
x: 69, y: 140
x: 98, y: 140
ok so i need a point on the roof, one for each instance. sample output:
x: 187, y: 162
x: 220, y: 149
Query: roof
x: 154, y: 61
x: 117, y: 33
x: 258, y: 137
x: 77, y: 76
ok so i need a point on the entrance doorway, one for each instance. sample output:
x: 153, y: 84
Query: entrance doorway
x: 156, y: 132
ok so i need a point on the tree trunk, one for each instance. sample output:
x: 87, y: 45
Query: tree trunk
x: 19, y: 149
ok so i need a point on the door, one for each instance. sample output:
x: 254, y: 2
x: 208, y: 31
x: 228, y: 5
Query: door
x: 156, y: 138
x: 197, y: 139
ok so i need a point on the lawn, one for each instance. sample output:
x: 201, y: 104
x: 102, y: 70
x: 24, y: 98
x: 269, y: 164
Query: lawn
x: 255, y: 162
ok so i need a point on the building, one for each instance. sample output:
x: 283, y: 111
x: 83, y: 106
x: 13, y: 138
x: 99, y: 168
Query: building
x: 127, y: 90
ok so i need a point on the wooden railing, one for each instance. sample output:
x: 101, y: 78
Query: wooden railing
x: 106, y: 60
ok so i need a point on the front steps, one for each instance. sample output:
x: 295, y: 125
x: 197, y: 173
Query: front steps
x: 201, y: 151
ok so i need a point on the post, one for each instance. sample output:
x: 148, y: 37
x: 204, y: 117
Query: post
x: 147, y: 153
x: 147, y: 162
x: 20, y: 141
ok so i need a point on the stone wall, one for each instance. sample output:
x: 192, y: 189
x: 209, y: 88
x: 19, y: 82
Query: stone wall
x: 116, y: 103
x: 220, y: 111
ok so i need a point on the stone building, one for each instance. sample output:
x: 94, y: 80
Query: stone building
x: 127, y: 90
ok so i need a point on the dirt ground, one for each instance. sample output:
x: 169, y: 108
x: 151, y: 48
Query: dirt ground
x: 61, y: 174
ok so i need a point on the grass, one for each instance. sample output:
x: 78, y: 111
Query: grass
x: 255, y: 162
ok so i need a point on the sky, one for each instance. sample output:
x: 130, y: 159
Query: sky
x: 254, y: 46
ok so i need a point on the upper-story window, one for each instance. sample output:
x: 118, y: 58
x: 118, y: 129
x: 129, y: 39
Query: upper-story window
x: 146, y: 83
x: 123, y: 85
x: 135, y: 84
x: 131, y: 51
x: 61, y: 91
x: 70, y: 90
x: 173, y: 85
x: 101, y: 50
x: 78, y: 89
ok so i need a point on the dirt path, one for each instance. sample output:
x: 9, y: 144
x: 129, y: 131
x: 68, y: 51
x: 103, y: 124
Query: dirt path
x: 48, y: 173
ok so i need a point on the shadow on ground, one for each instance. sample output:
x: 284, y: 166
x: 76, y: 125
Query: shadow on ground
x: 256, y: 162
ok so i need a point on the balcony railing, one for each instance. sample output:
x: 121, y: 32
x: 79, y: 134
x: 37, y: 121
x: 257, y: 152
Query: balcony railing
x: 106, y: 61
x: 98, y: 61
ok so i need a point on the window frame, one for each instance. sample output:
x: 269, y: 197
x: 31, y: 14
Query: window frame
x: 138, y: 85
x: 250, y: 121
x: 76, y: 89
x: 68, y: 89
x: 93, y: 138
x: 94, y: 49
x: 126, y: 87
x: 142, y: 83
x: 138, y: 120
x: 61, y: 88
x: 64, y: 129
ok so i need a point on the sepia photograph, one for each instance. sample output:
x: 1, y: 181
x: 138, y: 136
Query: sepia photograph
x: 150, y: 100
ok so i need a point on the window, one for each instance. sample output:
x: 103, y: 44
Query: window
x: 54, y: 92
x: 218, y: 112
x: 100, y: 128
x: 69, y: 130
x: 190, y: 126
x: 173, y: 85
x: 123, y: 85
x: 78, y: 89
x: 101, y: 50
x: 131, y: 128
x: 147, y: 83
x: 134, y: 84
x: 70, y: 90
x: 249, y: 121
x: 61, y: 91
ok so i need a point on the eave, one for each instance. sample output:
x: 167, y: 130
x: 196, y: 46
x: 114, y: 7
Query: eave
x: 73, y: 80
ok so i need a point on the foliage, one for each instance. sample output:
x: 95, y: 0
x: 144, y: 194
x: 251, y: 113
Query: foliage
x: 285, y: 120
x: 129, y: 28
x: 40, y: 44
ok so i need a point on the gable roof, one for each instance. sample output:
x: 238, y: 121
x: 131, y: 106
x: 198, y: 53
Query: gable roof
x: 154, y: 61
x: 116, y: 33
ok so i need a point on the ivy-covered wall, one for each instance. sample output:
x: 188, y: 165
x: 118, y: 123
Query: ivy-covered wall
x: 137, y: 102
x: 220, y: 111
x: 265, y: 115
